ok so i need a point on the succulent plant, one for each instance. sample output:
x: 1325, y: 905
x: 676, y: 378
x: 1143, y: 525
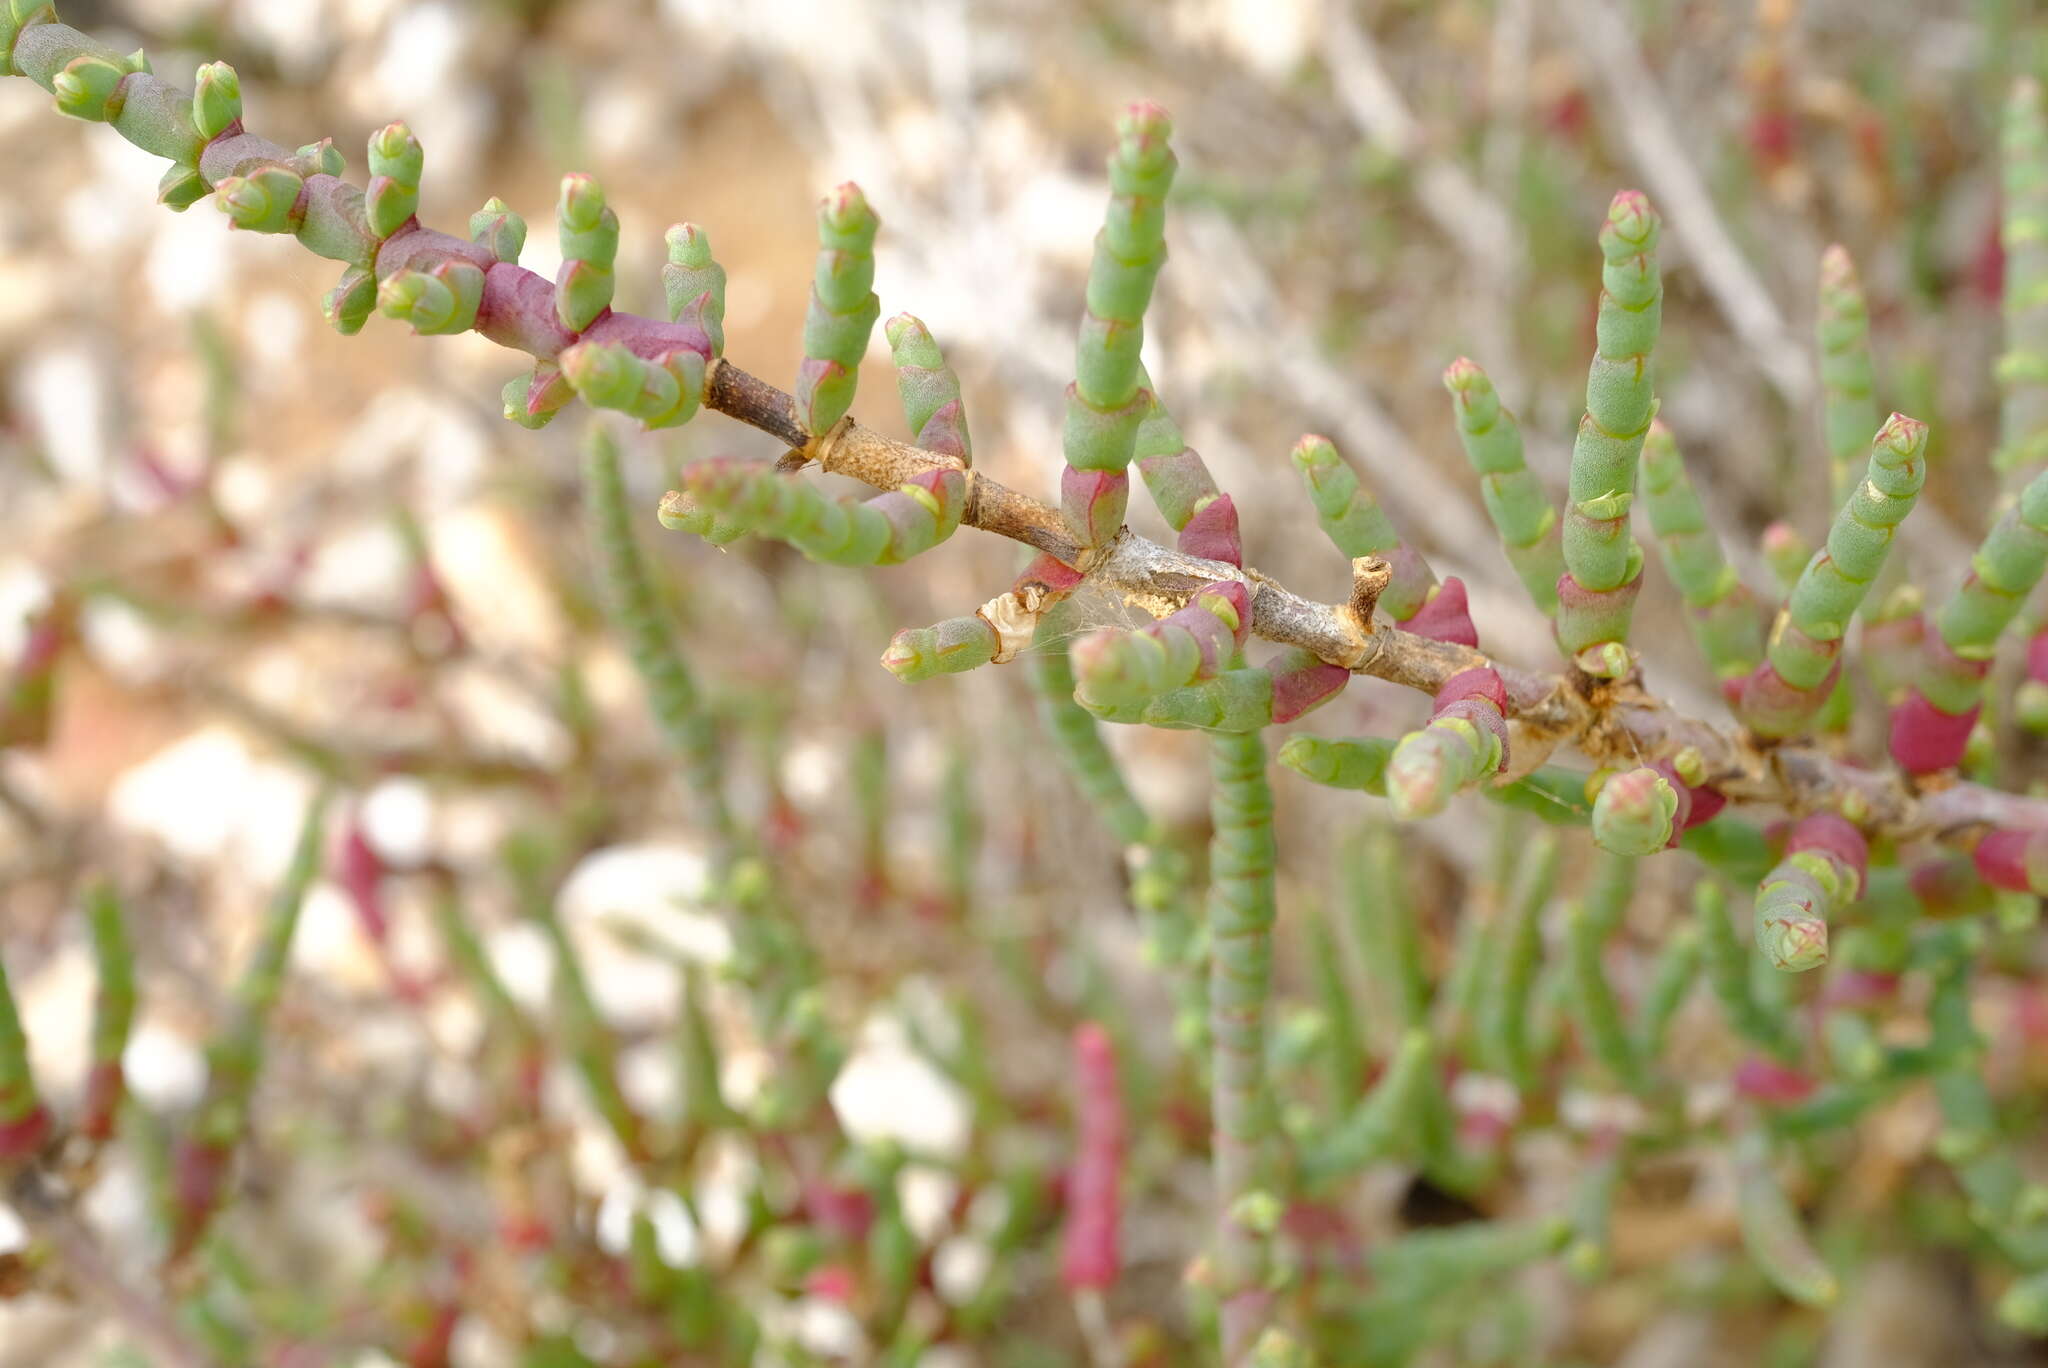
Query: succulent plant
x: 1908, y: 861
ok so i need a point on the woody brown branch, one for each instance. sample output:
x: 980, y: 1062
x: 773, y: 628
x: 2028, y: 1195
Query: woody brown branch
x: 1620, y: 723
x: 1616, y: 724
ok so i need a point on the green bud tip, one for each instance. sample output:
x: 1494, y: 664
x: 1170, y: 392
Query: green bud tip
x: 181, y: 188
x: 845, y: 211
x: 1419, y: 783
x: 1796, y: 943
x: 1464, y: 375
x: 396, y: 153
x: 2030, y: 705
x: 1313, y: 453
x: 1690, y: 766
x: 403, y: 290
x: 1259, y: 1211
x: 323, y: 157
x: 1631, y: 217
x: 87, y: 88
x: 582, y: 202
x: 1223, y: 608
x: 1606, y: 660
x: 262, y: 202
x: 1837, y: 270
x: 677, y: 511
x: 1900, y: 439
x: 1144, y: 128
x: 902, y: 655
x: 607, y: 374
x: 216, y: 99
x: 688, y: 245
x: 425, y: 301
x: 901, y: 326
x: 2024, y: 1306
x: 1633, y: 813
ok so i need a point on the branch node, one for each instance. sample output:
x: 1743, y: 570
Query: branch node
x: 821, y: 447
x: 1013, y: 615
x: 1370, y: 576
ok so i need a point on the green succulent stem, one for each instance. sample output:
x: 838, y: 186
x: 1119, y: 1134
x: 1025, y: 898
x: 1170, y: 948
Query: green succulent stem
x: 1835, y: 581
x: 1464, y: 742
x: 24, y: 1122
x: 1373, y: 884
x: 2006, y: 569
x: 1725, y: 619
x: 1118, y: 670
x: 1771, y: 1229
x: 1159, y: 876
x: 234, y: 1057
x: 1504, y: 1014
x: 693, y: 283
x: 1823, y: 871
x: 1672, y: 976
x: 1378, y: 1126
x: 589, y: 233
x: 1600, y: 555
x: 1599, y: 1009
x: 396, y: 162
x: 1353, y: 521
x: 113, y: 1013
x: 2023, y: 233
x: 635, y: 609
x: 1591, y: 1251
x: 932, y: 404
x: 1174, y: 473
x: 1242, y: 855
x: 1727, y: 962
x: 1514, y: 498
x: 1848, y: 381
x: 753, y: 496
x: 498, y: 229
x: 1078, y: 741
x: 1245, y: 698
x: 843, y: 309
x: 466, y: 950
x: 1806, y: 643
x: 1107, y: 403
x: 590, y: 1043
x: 952, y: 646
x: 663, y: 391
x: 1359, y: 763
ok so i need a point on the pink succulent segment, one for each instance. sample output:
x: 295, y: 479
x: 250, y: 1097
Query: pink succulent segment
x: 1766, y: 1080
x: 25, y: 1135
x: 2016, y: 861
x: 1094, y: 501
x: 1926, y: 740
x: 1447, y: 616
x: 1212, y: 532
x: 1305, y: 687
x: 1089, y: 1248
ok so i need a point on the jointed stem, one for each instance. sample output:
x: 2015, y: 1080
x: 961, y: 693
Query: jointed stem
x: 1241, y: 914
x: 519, y: 309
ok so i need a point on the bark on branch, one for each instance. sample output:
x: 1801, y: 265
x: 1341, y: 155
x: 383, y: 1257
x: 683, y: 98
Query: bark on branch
x: 1611, y: 723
